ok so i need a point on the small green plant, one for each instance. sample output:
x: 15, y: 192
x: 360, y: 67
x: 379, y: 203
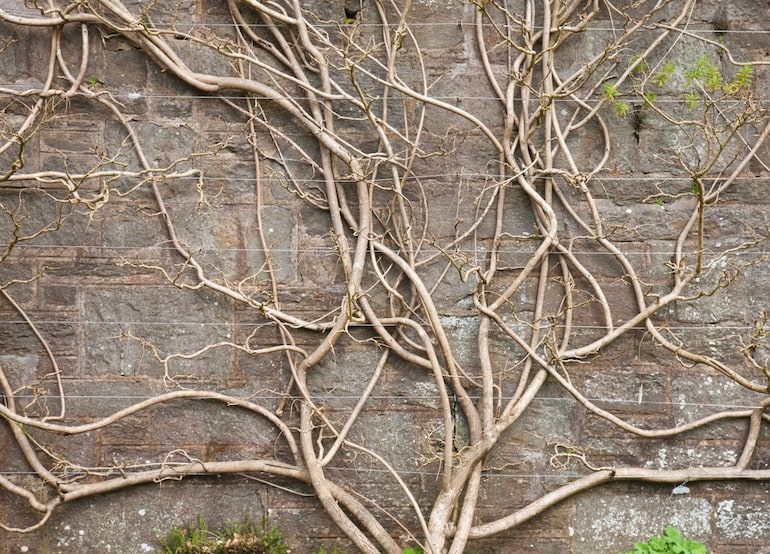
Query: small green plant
x: 92, y: 82
x: 692, y: 99
x: 611, y: 93
x: 248, y: 537
x: 701, y: 79
x: 649, y: 98
x: 664, y: 74
x: 671, y: 542
x: 712, y: 77
x: 744, y: 77
x: 417, y: 550
x: 709, y: 75
x: 639, y: 63
x: 621, y: 108
x: 696, y: 72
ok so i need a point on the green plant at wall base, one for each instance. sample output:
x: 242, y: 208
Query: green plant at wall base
x: 248, y: 537
x: 671, y: 542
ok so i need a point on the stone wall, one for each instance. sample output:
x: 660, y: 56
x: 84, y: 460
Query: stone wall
x: 96, y: 291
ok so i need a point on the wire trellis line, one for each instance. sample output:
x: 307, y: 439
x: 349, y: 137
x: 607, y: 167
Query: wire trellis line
x: 135, y: 95
x: 556, y: 475
x: 416, y: 177
x: 428, y: 398
x: 480, y: 252
x: 680, y: 328
x: 191, y: 26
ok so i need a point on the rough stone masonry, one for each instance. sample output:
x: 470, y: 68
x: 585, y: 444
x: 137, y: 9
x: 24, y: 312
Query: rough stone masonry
x: 101, y: 306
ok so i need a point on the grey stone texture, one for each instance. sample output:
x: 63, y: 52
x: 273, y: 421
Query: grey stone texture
x: 102, y: 299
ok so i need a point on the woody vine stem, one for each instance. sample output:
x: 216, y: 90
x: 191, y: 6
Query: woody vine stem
x: 343, y: 113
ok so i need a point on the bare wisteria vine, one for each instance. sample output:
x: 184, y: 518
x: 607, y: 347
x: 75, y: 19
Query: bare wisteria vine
x: 349, y: 116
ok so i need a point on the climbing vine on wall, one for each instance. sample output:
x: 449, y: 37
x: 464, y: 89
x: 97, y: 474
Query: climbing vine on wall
x: 563, y: 238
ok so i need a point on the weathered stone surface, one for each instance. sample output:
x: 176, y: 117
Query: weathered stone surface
x: 742, y: 519
x: 104, y: 280
x: 614, y: 523
x: 133, y: 524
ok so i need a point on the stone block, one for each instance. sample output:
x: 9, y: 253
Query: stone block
x: 57, y: 296
x: 131, y: 430
x: 79, y: 450
x: 66, y: 140
x: 226, y: 239
x: 134, y: 237
x: 547, y: 421
x: 210, y: 423
x: 16, y: 337
x: 632, y: 389
x: 89, y: 398
x: 203, y: 320
x: 742, y: 519
x: 20, y: 370
x: 533, y: 545
x: 131, y: 521
x: 606, y: 523
x: 693, y: 395
x: 389, y: 434
x: 166, y: 97
x: 737, y: 548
